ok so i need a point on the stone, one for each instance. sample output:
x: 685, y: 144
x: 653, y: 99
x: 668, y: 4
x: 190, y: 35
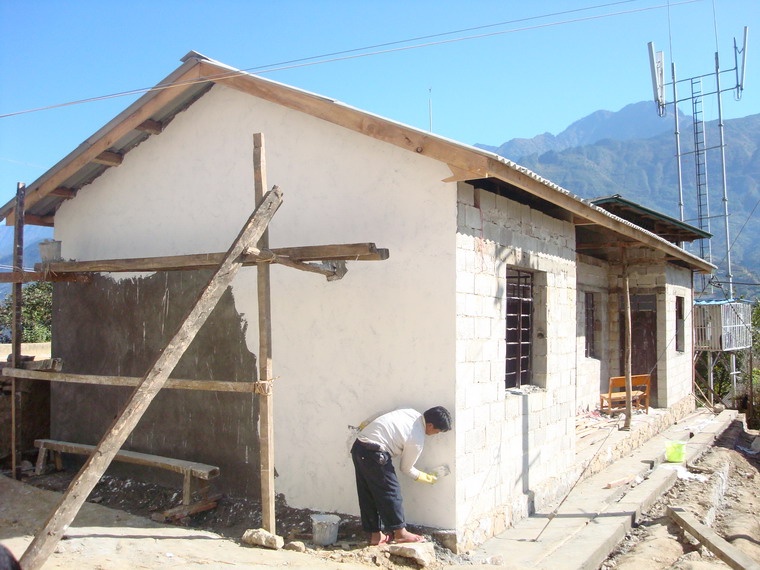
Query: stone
x: 447, y: 539
x: 295, y: 546
x: 260, y: 537
x: 422, y: 552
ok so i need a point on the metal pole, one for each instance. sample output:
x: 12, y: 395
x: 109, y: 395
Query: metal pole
x: 729, y: 273
x: 725, y: 184
x: 678, y: 143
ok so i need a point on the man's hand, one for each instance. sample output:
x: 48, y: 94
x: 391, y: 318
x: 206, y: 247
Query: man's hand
x: 426, y: 478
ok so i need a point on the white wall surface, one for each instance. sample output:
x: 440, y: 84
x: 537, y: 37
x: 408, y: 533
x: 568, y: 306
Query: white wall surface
x: 381, y: 338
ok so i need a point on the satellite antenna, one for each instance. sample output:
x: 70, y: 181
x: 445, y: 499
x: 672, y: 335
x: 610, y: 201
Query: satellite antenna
x: 657, y: 65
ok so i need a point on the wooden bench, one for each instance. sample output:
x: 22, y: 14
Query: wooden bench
x: 189, y: 469
x: 614, y: 399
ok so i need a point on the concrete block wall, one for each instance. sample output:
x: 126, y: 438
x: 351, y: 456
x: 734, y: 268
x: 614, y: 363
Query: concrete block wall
x: 674, y: 368
x: 511, y: 445
x: 593, y: 277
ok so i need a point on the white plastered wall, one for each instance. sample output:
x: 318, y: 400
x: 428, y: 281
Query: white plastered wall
x: 381, y: 338
x: 677, y: 367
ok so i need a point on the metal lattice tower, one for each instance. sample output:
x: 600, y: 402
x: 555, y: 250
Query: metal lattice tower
x: 700, y: 164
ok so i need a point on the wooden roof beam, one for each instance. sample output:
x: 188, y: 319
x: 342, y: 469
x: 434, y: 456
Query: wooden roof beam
x: 63, y: 192
x: 108, y: 158
x: 30, y: 219
x: 291, y: 256
x: 151, y: 127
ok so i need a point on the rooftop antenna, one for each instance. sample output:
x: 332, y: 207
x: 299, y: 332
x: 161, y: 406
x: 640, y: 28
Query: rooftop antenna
x: 740, y: 71
x: 657, y: 67
x: 700, y: 147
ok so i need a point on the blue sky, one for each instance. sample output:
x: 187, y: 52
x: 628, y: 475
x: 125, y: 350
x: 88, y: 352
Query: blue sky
x: 527, y: 77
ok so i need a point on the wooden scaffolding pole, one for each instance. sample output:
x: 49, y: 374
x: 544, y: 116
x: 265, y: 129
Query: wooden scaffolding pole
x: 46, y: 539
x: 16, y: 325
x: 627, y: 352
x: 266, y: 403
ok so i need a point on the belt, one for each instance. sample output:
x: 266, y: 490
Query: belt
x: 369, y: 445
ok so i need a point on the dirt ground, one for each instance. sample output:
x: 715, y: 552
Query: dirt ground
x: 722, y: 490
x: 114, y: 531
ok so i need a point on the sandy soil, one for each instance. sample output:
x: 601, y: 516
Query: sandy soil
x: 105, y: 536
x: 722, y: 490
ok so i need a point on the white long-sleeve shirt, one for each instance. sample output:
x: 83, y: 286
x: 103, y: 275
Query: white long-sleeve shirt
x: 400, y: 433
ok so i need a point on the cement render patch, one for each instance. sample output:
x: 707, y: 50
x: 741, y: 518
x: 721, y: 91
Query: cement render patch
x: 593, y: 520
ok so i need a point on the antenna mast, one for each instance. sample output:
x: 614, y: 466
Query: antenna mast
x: 656, y: 62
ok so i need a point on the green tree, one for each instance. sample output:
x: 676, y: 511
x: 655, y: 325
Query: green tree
x: 36, y: 313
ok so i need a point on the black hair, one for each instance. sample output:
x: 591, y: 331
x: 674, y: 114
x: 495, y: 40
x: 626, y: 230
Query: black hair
x: 439, y: 417
x: 7, y: 560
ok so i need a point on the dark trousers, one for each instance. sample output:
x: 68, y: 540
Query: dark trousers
x: 378, y: 488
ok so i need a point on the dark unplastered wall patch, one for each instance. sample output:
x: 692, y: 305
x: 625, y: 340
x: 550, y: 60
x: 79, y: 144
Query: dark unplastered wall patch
x: 118, y: 328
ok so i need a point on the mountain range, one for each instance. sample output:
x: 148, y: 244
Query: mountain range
x: 632, y: 153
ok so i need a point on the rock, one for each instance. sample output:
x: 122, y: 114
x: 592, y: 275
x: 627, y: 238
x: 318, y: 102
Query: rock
x: 296, y: 546
x: 26, y: 466
x: 422, y: 552
x: 448, y: 539
x: 260, y: 537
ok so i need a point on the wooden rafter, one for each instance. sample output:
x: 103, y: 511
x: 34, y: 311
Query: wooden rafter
x: 151, y: 127
x: 108, y: 158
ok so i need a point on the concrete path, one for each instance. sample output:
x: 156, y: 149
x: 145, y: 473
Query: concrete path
x: 593, y: 519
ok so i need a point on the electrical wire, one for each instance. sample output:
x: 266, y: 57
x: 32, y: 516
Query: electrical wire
x: 305, y: 62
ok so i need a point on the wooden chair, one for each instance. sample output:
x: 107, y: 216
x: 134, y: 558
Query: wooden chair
x: 614, y: 399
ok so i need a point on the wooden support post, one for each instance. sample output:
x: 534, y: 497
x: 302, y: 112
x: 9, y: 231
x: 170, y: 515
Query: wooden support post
x: 266, y: 403
x: 627, y: 352
x: 46, y: 539
x: 16, y: 325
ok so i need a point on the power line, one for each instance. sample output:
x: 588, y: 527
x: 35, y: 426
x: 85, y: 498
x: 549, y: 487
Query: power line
x: 305, y: 62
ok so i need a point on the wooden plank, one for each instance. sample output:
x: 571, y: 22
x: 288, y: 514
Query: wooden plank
x: 181, y: 466
x: 266, y: 397
x: 32, y: 276
x: 333, y: 252
x: 46, y: 539
x: 108, y: 158
x: 716, y: 544
x: 131, y: 381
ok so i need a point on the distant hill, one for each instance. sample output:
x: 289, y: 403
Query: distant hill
x: 33, y: 235
x: 634, y: 121
x: 637, y: 161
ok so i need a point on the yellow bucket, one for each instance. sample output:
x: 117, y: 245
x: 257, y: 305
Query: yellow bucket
x: 675, y: 451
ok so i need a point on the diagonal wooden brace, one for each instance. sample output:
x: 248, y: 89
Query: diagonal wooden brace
x: 46, y: 539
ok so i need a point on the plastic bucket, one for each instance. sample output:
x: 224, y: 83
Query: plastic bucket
x: 324, y: 529
x: 675, y: 451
